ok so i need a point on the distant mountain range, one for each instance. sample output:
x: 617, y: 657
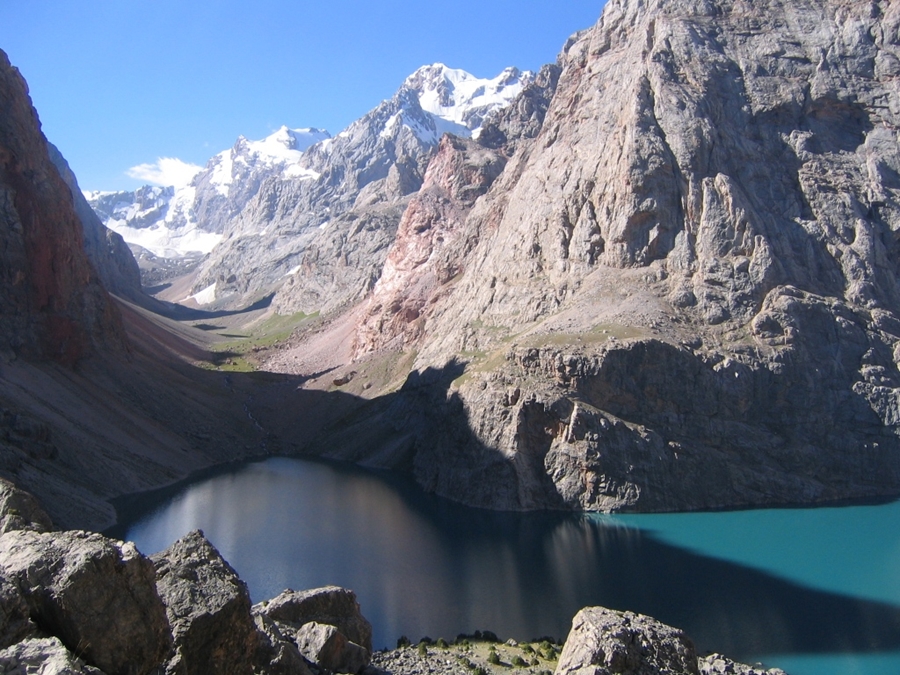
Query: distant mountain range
x: 297, y: 181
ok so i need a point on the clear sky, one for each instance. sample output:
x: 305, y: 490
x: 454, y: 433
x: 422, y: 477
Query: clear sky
x: 119, y: 83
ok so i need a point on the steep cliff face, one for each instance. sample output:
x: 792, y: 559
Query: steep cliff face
x: 51, y: 303
x: 683, y: 292
x: 109, y: 254
x: 434, y: 240
x: 428, y: 249
x: 88, y: 411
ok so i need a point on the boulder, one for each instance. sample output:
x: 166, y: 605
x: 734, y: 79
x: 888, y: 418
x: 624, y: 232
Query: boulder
x: 328, y: 648
x: 19, y: 510
x: 96, y: 594
x: 716, y: 664
x: 47, y: 656
x: 330, y: 605
x: 208, y: 608
x: 603, y: 642
x: 15, y: 624
x: 275, y: 654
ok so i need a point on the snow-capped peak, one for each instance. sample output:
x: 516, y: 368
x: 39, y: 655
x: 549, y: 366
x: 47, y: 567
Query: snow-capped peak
x: 284, y: 148
x: 286, y: 145
x: 460, y: 97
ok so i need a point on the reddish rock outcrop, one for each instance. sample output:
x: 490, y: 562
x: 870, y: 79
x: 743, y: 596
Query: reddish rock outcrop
x: 430, y: 247
x: 51, y: 304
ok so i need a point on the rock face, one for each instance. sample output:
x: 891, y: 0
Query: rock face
x: 109, y: 254
x: 208, y: 607
x: 47, y: 656
x: 682, y: 290
x: 429, y: 249
x: 275, y: 653
x: 96, y: 594
x: 51, y: 303
x: 15, y: 621
x: 19, y: 510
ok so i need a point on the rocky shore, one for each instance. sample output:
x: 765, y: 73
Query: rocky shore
x: 76, y: 602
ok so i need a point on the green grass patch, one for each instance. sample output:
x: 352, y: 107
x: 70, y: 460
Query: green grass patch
x: 236, y: 355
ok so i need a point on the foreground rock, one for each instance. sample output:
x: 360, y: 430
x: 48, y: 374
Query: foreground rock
x: 275, y: 653
x: 716, y: 664
x: 15, y: 620
x: 208, y: 607
x: 329, y: 648
x: 19, y: 510
x: 330, y: 605
x: 606, y: 642
x: 95, y: 594
x: 47, y: 656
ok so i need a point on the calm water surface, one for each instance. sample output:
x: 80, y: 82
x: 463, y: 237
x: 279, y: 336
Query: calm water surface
x: 813, y: 591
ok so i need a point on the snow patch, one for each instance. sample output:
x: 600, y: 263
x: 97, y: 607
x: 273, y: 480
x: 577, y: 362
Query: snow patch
x: 204, y: 297
x: 222, y: 175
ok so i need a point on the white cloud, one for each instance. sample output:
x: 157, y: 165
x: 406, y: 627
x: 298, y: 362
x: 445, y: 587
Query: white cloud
x: 165, y: 172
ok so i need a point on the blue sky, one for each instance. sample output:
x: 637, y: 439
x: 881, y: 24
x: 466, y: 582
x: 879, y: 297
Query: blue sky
x: 118, y: 83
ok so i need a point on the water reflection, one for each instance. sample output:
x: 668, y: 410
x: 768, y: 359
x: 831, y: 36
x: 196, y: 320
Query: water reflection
x: 424, y: 566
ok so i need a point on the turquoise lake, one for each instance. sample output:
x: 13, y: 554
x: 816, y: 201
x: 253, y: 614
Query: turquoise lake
x: 812, y: 591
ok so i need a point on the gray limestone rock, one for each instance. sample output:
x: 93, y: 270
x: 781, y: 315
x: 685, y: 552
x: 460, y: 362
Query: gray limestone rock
x: 716, y: 664
x: 329, y: 605
x: 19, y: 510
x: 208, y: 607
x: 699, y: 248
x: 523, y: 118
x: 47, y: 656
x: 606, y: 642
x: 329, y: 648
x: 15, y: 622
x: 107, y: 251
x: 276, y: 654
x: 95, y: 594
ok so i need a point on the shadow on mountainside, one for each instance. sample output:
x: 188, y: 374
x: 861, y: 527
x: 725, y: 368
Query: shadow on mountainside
x: 181, y: 313
x: 126, y: 426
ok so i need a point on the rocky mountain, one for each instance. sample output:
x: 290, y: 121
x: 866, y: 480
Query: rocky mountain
x: 327, y: 237
x: 97, y: 395
x: 682, y: 292
x: 689, y: 300
x: 52, y: 304
x: 173, y: 223
x: 267, y: 204
x: 118, y: 271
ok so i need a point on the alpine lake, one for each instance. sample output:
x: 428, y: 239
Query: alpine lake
x: 814, y: 591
